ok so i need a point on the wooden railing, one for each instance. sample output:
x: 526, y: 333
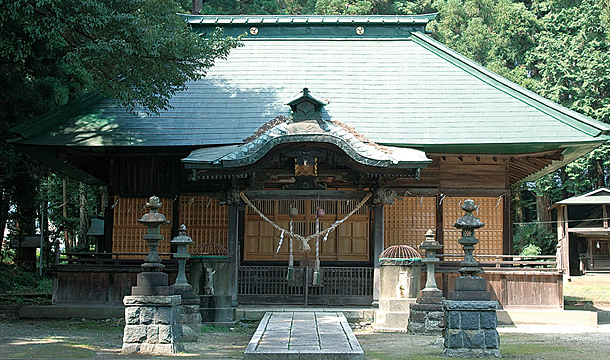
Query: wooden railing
x: 504, y: 261
x: 109, y: 261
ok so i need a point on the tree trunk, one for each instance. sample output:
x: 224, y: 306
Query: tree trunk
x: 68, y: 243
x: 564, y: 178
x: 543, y: 203
x: 82, y: 224
x: 197, y: 4
x: 518, y: 208
x: 4, y: 208
x: 601, y: 177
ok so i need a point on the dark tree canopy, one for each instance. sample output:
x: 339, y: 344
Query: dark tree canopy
x: 139, y: 52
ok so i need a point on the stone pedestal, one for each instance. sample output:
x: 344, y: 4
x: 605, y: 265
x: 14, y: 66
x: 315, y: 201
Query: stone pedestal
x: 217, y: 309
x: 427, y: 314
x: 189, y: 316
x: 399, y: 289
x: 470, y: 288
x: 151, y: 325
x: 471, y: 329
x: 210, y: 277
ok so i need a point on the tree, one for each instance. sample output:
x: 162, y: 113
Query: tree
x: 571, y: 66
x: 139, y: 52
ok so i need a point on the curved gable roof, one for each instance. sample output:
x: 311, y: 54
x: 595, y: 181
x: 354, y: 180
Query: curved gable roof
x: 392, y: 83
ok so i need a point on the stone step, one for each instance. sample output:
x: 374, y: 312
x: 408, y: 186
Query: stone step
x: 303, y: 336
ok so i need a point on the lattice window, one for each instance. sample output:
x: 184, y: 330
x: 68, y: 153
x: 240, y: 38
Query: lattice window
x: 127, y: 232
x: 206, y: 220
x: 407, y: 221
x: 490, y: 211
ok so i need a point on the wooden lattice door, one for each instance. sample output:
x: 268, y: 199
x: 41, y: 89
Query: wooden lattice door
x: 349, y: 242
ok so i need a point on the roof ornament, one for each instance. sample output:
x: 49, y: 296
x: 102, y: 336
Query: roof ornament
x: 306, y: 107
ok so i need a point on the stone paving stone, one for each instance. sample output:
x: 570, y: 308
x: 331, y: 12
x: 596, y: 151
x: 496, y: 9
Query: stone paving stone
x: 318, y: 335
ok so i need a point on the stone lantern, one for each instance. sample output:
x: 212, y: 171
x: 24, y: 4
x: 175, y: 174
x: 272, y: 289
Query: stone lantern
x: 190, y: 317
x: 426, y: 315
x: 151, y: 312
x: 470, y: 315
x: 182, y: 241
x: 431, y: 246
x: 469, y: 286
x: 153, y: 281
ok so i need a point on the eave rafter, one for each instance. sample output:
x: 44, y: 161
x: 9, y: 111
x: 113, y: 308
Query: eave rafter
x: 519, y: 166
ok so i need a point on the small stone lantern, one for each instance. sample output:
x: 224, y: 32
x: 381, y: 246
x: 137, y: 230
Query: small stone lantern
x: 431, y: 246
x: 182, y: 241
x: 427, y: 312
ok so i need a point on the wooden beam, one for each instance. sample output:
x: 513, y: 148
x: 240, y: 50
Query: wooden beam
x: 305, y: 195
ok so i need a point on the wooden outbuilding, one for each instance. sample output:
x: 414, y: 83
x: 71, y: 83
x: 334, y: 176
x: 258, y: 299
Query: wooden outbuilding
x: 583, y: 232
x: 316, y: 112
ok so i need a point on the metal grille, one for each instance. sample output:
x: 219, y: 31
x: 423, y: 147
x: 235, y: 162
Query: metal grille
x: 338, y: 281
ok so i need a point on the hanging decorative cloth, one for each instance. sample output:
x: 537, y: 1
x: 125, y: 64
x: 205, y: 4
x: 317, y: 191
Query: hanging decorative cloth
x: 290, y: 273
x: 317, y: 275
x: 281, y: 242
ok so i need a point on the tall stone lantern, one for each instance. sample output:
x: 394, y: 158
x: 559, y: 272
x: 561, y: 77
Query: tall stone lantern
x: 153, y: 281
x: 469, y: 286
x: 470, y: 316
x: 152, y: 310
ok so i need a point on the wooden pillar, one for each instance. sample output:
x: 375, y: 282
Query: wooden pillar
x: 560, y: 237
x: 565, y: 249
x: 377, y: 249
x: 233, y: 247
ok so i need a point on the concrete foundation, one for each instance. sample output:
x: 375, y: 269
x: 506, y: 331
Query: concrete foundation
x: 216, y: 309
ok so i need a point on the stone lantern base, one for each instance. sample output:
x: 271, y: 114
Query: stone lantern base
x: 427, y: 314
x: 471, y: 329
x: 151, y: 325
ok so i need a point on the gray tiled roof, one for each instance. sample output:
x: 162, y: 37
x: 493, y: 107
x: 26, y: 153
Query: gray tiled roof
x: 408, y: 91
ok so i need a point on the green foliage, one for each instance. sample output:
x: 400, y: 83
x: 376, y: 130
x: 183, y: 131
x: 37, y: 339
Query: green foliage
x: 530, y: 250
x: 17, y: 280
x: 496, y: 33
x: 82, y: 203
x: 534, y: 235
x: 139, y: 52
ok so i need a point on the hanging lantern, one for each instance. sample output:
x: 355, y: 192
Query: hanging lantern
x: 320, y: 212
x: 293, y: 212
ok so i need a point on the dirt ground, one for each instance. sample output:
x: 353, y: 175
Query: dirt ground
x: 102, y: 339
x: 87, y: 339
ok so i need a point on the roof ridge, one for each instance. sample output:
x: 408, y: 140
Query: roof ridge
x: 308, y: 19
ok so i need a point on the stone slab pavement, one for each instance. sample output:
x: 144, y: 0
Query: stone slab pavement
x: 303, y: 335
